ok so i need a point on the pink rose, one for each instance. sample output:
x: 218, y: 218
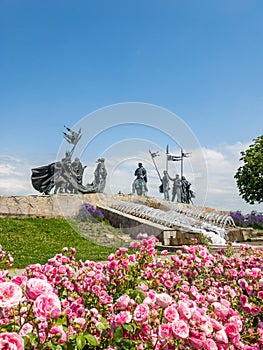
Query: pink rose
x: 243, y: 283
x: 255, y: 310
x: 10, y: 294
x: 212, y: 296
x: 123, y: 302
x: 123, y: 317
x: 163, y: 300
x: 197, y: 342
x: 164, y: 252
x: 164, y: 331
x: 180, y: 329
x: 184, y: 309
x: 134, y: 245
x: 243, y: 299
x: 221, y: 336
x: 220, y: 309
x: 207, y: 327
x: 210, y: 345
x: 185, y: 288
x: 141, y: 313
x: 3, y: 275
x: 26, y: 328
x: 11, y: 341
x: 36, y: 287
x: 19, y: 280
x: 247, y: 308
x: 216, y: 325
x: 152, y: 295
x: 168, y: 284
x: 231, y: 330
x: 237, y: 321
x: 47, y: 306
x: 171, y: 314
x: 60, y: 333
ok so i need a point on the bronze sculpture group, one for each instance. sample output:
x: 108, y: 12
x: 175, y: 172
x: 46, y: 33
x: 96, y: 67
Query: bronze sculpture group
x: 180, y: 186
x: 66, y: 176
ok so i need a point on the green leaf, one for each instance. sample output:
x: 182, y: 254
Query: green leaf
x: 80, y: 341
x: 91, y: 339
x: 118, y: 334
x: 127, y: 327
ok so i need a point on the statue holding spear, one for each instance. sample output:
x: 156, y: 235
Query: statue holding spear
x: 164, y: 187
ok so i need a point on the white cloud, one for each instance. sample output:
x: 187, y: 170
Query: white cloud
x: 221, y: 165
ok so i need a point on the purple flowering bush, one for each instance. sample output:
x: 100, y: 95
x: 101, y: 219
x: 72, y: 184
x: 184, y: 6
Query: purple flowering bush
x: 194, y: 300
x: 90, y: 212
x: 253, y: 219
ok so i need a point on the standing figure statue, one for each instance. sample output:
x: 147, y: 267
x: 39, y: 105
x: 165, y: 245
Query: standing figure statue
x: 100, y: 175
x: 187, y: 194
x: 78, y: 170
x: 67, y: 173
x: 177, y: 188
x: 60, y: 181
x: 140, y: 183
x: 165, y: 185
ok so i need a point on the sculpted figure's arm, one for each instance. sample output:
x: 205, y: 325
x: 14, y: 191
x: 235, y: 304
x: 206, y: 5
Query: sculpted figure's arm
x: 170, y: 178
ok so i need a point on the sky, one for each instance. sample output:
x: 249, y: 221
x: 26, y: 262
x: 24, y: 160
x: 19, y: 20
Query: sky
x: 134, y: 75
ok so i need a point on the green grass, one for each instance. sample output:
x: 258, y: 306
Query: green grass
x: 35, y: 240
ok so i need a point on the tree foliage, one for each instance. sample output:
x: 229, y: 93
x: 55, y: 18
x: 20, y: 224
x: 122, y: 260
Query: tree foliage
x: 249, y: 177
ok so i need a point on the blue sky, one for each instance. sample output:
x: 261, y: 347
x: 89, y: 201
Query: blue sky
x: 62, y: 60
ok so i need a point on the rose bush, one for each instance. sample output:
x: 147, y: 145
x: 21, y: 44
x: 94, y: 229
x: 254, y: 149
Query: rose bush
x: 195, y: 300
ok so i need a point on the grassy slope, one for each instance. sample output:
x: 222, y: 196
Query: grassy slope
x: 35, y: 240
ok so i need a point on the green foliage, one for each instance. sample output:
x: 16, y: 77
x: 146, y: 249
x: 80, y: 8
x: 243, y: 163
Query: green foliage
x: 249, y: 177
x: 35, y: 240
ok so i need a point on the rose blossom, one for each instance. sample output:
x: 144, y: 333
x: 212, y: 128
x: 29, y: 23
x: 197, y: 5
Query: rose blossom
x: 237, y: 321
x: 59, y: 332
x: 184, y: 309
x: 26, y: 328
x: 134, y: 245
x: 47, y: 306
x: 216, y: 325
x: 212, y: 296
x: 164, y: 331
x: 19, y: 280
x: 171, y: 314
x: 163, y: 300
x: 231, y: 330
x: 220, y: 309
x: 10, y: 294
x: 11, y: 341
x: 123, y: 317
x: 198, y: 342
x: 36, y: 287
x: 123, y: 302
x: 221, y: 336
x: 180, y: 329
x: 141, y: 313
x: 210, y: 345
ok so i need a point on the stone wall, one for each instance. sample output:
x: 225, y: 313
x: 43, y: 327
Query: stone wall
x: 68, y: 205
x: 55, y: 205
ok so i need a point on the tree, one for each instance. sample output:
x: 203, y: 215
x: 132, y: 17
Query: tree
x: 249, y: 177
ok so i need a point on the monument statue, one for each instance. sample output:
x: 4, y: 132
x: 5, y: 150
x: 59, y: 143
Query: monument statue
x: 187, y: 193
x: 100, y: 175
x: 165, y: 186
x: 177, y: 188
x: 140, y: 183
x: 66, y: 176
